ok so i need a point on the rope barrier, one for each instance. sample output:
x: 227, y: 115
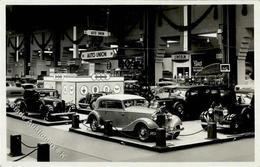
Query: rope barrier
x: 25, y: 155
x: 28, y: 145
x: 192, y: 133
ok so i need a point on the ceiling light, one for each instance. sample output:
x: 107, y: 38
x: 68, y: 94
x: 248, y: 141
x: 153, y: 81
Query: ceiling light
x: 210, y: 35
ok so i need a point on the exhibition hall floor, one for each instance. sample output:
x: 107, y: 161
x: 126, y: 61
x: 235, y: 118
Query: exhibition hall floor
x: 81, y: 148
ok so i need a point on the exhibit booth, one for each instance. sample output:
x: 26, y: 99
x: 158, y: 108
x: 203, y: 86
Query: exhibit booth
x: 72, y: 87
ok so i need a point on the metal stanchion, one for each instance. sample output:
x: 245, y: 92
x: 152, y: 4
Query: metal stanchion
x: 108, y: 128
x: 43, y: 152
x: 212, y: 127
x: 160, y: 120
x: 212, y: 130
x: 160, y: 137
x: 15, y: 145
x: 75, y: 121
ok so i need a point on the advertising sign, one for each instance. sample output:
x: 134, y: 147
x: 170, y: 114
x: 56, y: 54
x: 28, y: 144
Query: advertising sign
x: 224, y: 67
x: 180, y: 57
x: 103, y: 54
x: 97, y: 33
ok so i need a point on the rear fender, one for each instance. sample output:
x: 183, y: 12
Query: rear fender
x: 146, y: 121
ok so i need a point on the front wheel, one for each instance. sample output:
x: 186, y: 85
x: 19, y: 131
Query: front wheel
x: 176, y: 134
x: 143, y: 133
x: 179, y: 109
x: 235, y: 126
x: 94, y: 124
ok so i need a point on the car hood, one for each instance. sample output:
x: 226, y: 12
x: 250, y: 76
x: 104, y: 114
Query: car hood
x: 140, y: 109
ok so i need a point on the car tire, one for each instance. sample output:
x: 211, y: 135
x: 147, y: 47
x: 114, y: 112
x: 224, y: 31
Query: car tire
x: 176, y: 134
x: 47, y: 115
x: 143, y: 133
x: 247, y: 119
x: 93, y: 124
x: 21, y: 107
x: 178, y: 109
x: 235, y: 126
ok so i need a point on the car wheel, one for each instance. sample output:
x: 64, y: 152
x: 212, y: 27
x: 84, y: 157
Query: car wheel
x: 176, y: 134
x: 235, y: 126
x: 20, y: 107
x: 47, y: 115
x: 247, y: 119
x: 179, y: 109
x: 143, y: 133
x: 94, y: 124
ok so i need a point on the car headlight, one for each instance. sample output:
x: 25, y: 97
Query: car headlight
x: 55, y: 103
x: 210, y: 111
x: 154, y: 117
x: 225, y: 112
x: 169, y: 116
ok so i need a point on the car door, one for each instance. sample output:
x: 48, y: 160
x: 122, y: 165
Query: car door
x: 115, y: 113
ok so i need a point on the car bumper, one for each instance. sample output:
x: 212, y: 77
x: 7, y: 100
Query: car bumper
x: 219, y: 125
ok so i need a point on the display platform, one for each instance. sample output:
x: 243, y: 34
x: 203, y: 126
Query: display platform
x: 192, y: 136
x: 37, y: 120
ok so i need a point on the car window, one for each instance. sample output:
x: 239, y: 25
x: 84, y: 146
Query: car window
x: 102, y: 104
x: 194, y: 92
x: 135, y: 102
x: 114, y: 104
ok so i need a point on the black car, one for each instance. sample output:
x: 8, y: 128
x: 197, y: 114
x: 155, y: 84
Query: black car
x: 235, y: 112
x: 89, y: 100
x: 187, y: 101
x: 45, y: 103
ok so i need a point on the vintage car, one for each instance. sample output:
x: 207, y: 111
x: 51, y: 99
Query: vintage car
x: 130, y: 113
x: 187, y: 102
x: 46, y: 103
x: 234, y: 112
x: 131, y: 87
x: 13, y: 96
x: 28, y: 86
x: 89, y: 100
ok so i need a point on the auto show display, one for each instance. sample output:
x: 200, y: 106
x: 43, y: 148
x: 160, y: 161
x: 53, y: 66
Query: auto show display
x: 72, y: 88
x: 130, y: 113
x: 235, y: 111
x: 44, y: 104
x: 187, y: 101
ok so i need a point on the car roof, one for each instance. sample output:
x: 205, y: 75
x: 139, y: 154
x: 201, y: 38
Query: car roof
x: 120, y: 97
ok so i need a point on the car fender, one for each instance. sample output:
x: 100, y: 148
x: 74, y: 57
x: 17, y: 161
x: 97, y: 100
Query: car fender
x: 175, y: 121
x: 95, y: 114
x: 204, y: 116
x: 146, y: 121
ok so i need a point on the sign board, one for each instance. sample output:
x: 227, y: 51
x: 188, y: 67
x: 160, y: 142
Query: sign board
x: 224, y: 67
x: 100, y: 76
x: 103, y: 54
x: 97, y: 33
x: 180, y: 57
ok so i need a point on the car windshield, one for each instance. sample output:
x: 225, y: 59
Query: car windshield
x: 135, y: 102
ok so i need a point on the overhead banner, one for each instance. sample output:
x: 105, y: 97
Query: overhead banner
x: 104, y: 54
x: 97, y: 33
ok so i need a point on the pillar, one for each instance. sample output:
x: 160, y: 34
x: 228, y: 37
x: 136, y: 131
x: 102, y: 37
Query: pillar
x: 27, y: 52
x: 149, y: 44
